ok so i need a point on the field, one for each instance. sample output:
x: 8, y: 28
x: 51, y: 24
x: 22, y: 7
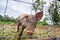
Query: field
x: 10, y: 31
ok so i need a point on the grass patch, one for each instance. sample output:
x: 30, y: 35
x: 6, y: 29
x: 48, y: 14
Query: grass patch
x: 41, y: 23
x: 6, y: 22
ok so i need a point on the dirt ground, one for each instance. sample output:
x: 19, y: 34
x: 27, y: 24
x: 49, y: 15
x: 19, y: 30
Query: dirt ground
x: 40, y: 31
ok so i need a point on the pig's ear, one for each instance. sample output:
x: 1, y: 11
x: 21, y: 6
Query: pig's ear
x: 39, y: 15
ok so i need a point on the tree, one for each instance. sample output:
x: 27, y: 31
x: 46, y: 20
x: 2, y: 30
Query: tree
x: 38, y: 5
x: 6, y: 16
x: 1, y: 17
x: 53, y: 10
x: 12, y: 19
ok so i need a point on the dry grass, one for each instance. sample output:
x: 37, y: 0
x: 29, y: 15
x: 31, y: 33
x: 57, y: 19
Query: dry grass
x: 11, y: 32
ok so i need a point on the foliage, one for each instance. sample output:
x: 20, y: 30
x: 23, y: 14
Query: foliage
x: 39, y: 24
x: 44, y: 22
x: 1, y: 22
x: 1, y: 16
x: 54, y: 12
x: 38, y: 5
x: 7, y: 20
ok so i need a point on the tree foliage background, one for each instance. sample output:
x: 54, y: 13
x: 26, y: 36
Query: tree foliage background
x: 7, y: 19
x: 54, y: 12
x: 38, y: 5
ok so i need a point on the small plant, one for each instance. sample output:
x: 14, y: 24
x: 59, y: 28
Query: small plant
x: 44, y: 22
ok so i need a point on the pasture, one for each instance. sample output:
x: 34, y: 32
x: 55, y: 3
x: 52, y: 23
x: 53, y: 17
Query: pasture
x: 10, y: 32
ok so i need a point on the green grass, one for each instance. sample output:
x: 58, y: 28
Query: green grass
x: 44, y: 23
x: 41, y: 23
x: 6, y: 22
x: 1, y: 22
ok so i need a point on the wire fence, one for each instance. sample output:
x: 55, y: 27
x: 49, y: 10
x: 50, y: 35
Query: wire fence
x: 4, y: 37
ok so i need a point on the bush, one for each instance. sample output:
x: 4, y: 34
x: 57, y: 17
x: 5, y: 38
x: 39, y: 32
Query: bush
x: 41, y: 23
